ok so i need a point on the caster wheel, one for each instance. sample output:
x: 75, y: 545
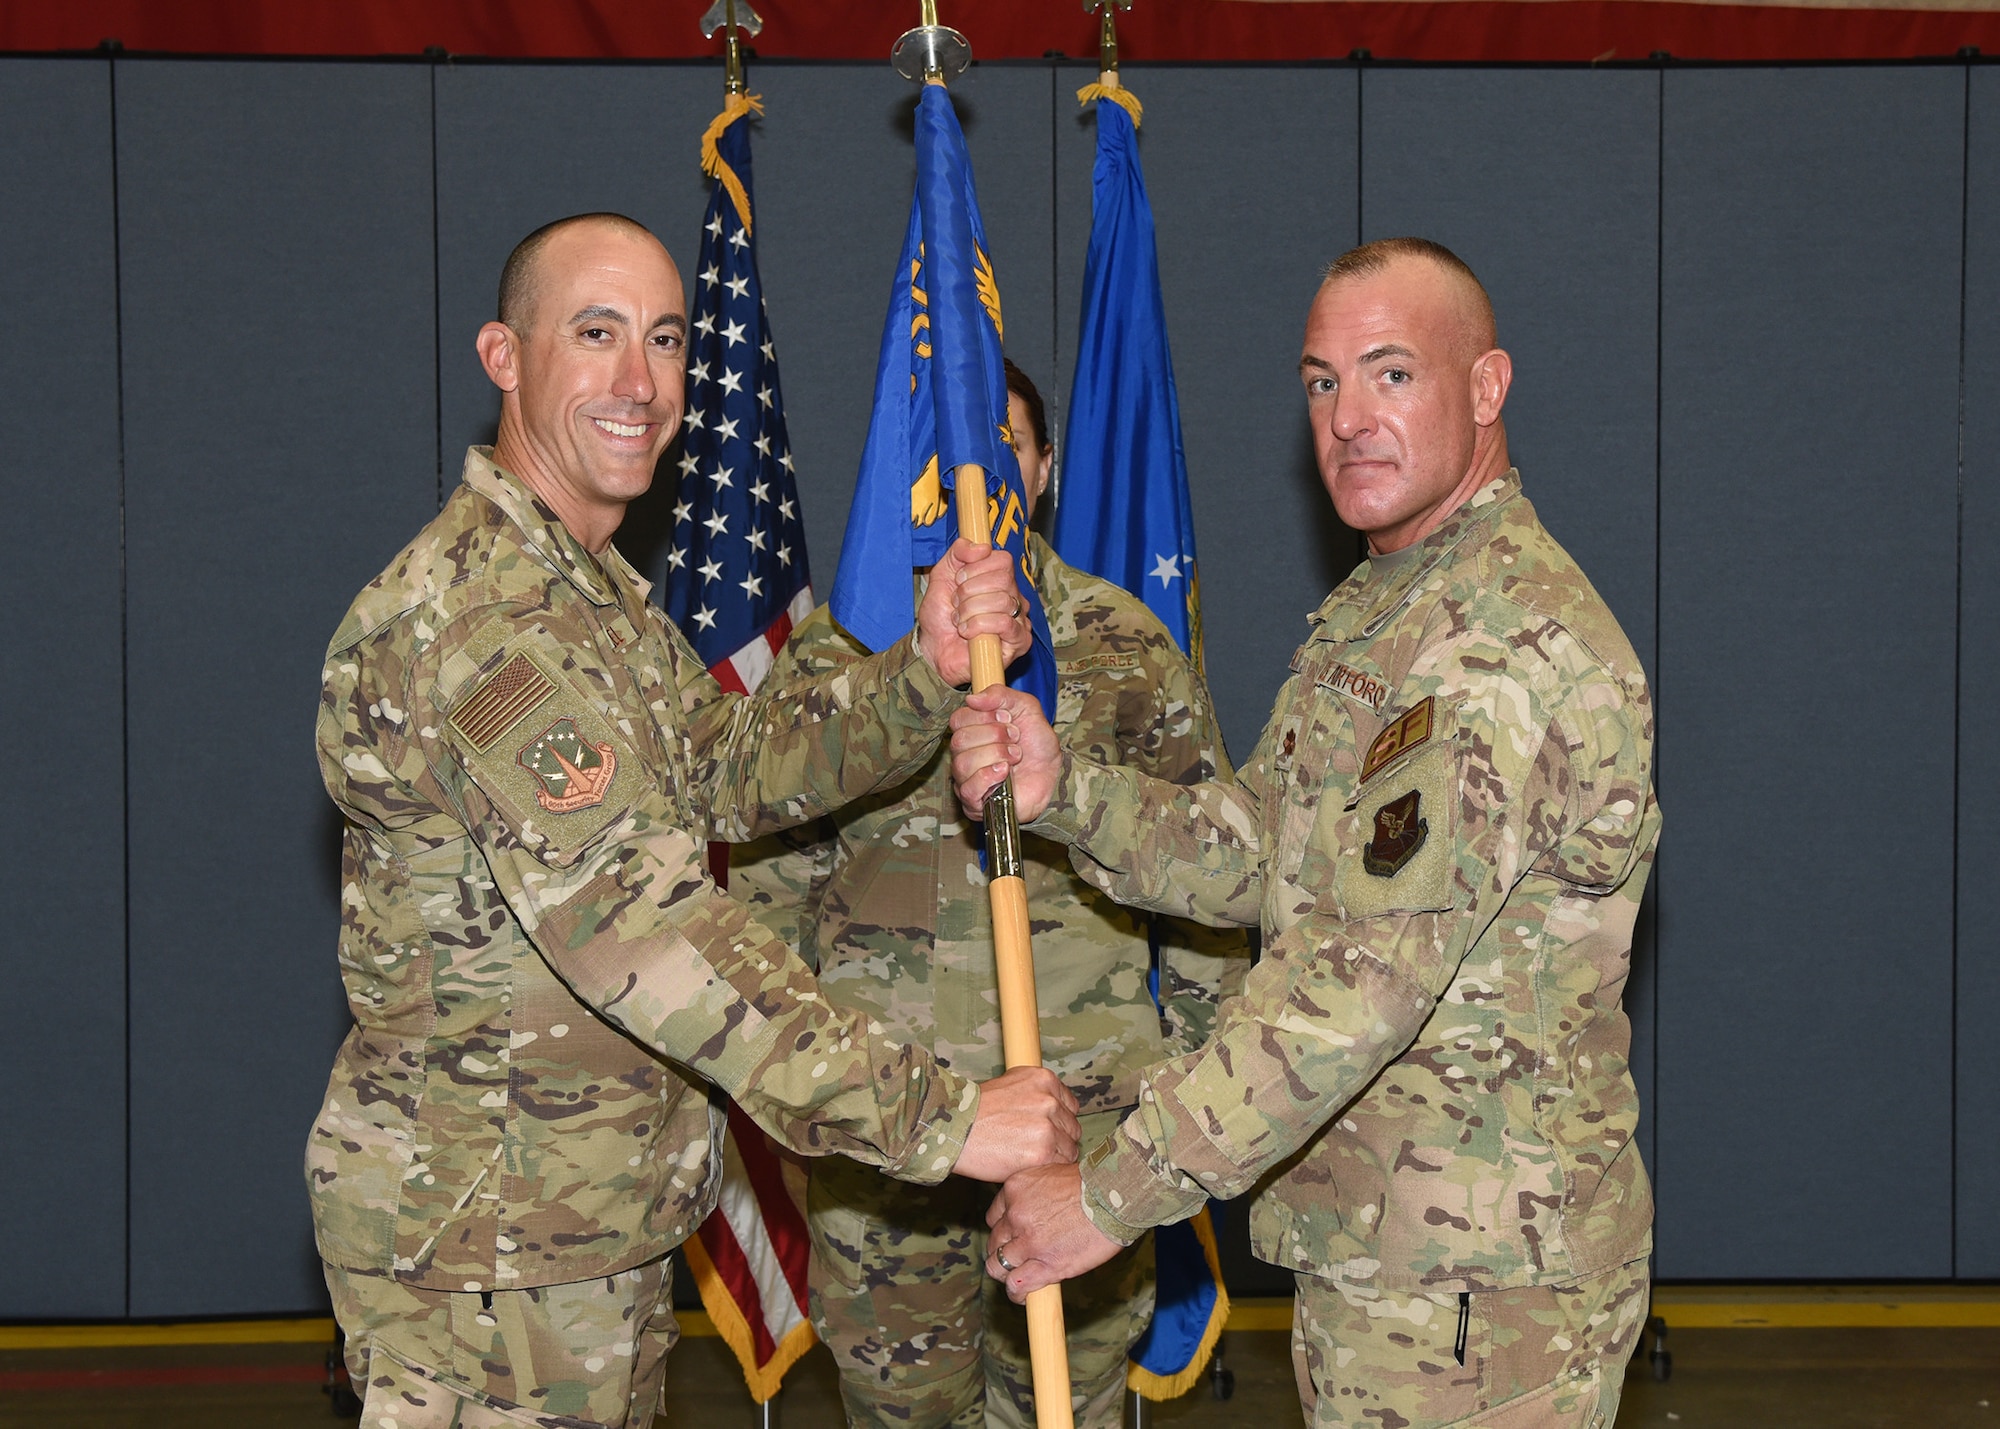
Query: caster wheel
x: 1222, y: 1384
x: 1663, y: 1365
x: 346, y: 1403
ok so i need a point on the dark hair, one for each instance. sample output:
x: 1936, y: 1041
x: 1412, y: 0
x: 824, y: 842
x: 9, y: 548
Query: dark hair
x: 1373, y: 257
x: 1038, y: 415
x: 517, y: 278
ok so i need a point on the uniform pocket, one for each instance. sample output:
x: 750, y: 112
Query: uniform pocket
x: 1396, y: 839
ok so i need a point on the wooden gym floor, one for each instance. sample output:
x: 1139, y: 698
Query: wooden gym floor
x: 1743, y: 1358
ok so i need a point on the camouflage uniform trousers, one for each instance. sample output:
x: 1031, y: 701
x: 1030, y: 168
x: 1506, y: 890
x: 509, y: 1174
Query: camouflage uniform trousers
x: 579, y: 1355
x: 924, y: 1337
x: 1546, y: 1357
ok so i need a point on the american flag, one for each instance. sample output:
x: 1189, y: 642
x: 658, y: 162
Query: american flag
x: 736, y: 575
x: 736, y: 582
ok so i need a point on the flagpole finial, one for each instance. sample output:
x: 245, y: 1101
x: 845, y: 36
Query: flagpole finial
x: 737, y: 19
x: 931, y: 52
x: 1107, y: 37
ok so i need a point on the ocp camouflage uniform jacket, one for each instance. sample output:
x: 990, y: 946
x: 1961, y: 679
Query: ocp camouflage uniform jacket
x: 889, y: 899
x: 530, y: 761
x: 1445, y: 831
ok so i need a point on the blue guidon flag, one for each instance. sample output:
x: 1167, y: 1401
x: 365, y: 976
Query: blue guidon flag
x: 1124, y: 515
x: 1124, y: 512
x: 940, y: 403
x: 736, y: 578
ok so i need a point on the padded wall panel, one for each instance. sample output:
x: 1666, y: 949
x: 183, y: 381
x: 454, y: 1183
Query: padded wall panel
x: 836, y: 168
x: 1557, y: 211
x: 62, y: 850
x: 1247, y: 216
x: 281, y: 440
x: 1809, y: 379
x: 1979, y: 703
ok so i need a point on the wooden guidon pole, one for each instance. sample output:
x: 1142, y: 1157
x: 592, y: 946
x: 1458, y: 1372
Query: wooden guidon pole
x: 1020, y: 1022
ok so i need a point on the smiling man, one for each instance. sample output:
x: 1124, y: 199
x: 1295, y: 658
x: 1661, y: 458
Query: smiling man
x: 530, y: 761
x: 1444, y: 835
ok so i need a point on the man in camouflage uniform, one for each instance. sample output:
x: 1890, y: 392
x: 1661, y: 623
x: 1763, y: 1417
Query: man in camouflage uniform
x: 1444, y: 832
x: 529, y: 761
x: 889, y: 900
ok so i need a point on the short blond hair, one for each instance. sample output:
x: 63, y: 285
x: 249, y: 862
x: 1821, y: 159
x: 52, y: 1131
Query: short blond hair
x: 1374, y: 257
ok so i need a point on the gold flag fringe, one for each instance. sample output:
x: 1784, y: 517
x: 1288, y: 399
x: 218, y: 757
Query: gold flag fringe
x: 1172, y: 1386
x: 764, y: 1381
x: 1118, y: 95
x: 733, y: 109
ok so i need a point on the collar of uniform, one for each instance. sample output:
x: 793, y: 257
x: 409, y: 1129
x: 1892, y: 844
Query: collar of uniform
x: 1051, y: 579
x: 1364, y: 611
x: 542, y: 531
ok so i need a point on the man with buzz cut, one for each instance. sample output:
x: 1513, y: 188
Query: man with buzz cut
x: 530, y: 761
x: 1444, y: 834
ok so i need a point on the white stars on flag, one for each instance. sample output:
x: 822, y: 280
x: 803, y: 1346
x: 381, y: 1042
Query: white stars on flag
x: 735, y: 576
x: 1167, y: 568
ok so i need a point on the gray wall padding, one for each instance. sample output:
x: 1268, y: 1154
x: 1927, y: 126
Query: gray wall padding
x: 1979, y: 704
x: 1734, y: 301
x: 1808, y: 475
x: 280, y: 445
x: 62, y: 846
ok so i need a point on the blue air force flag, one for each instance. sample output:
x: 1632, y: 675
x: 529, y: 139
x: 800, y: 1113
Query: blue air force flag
x: 940, y: 403
x: 1124, y: 515
x: 736, y: 579
x: 1124, y: 512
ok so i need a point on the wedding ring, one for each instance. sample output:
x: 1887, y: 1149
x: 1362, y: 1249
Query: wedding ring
x: 1001, y: 1256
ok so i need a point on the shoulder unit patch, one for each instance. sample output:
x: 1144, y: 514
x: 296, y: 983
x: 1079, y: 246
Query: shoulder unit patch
x: 1399, y: 833
x: 575, y: 773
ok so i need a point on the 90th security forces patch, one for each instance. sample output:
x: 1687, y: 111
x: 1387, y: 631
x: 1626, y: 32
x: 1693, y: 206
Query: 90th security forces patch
x: 1400, y: 830
x: 536, y: 744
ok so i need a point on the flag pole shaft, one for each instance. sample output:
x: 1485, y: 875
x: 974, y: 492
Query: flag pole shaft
x: 1020, y: 1020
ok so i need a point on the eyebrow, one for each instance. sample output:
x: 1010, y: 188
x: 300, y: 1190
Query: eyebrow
x: 1373, y: 354
x: 610, y: 314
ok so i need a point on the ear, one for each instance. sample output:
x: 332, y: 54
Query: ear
x: 499, y: 350
x: 1492, y: 374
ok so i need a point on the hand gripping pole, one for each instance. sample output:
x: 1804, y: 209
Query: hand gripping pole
x: 1020, y: 1022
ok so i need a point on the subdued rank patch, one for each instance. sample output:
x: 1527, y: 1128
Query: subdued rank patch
x: 509, y: 696
x: 1399, y: 833
x: 1407, y: 732
x: 575, y: 773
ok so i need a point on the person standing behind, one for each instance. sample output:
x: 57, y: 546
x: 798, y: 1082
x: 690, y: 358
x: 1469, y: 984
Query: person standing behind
x: 1444, y: 832
x: 889, y: 899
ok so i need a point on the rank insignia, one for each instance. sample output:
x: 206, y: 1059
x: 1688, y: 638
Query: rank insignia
x: 1399, y: 833
x: 1403, y: 734
x: 574, y: 773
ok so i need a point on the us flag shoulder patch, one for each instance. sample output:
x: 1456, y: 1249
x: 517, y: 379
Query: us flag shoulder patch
x: 510, y: 695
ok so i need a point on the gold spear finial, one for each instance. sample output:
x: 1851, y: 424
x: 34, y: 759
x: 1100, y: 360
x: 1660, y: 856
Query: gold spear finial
x: 1107, y: 37
x: 931, y: 53
x: 738, y: 19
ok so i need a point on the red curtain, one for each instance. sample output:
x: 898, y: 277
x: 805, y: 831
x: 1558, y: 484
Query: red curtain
x: 1519, y: 30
